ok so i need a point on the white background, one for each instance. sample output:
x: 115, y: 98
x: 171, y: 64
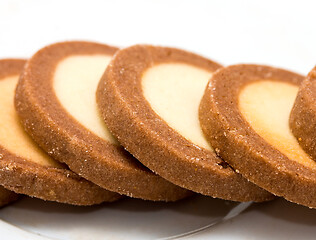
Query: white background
x: 278, y: 33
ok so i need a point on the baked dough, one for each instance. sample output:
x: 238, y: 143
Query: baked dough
x: 149, y: 98
x: 303, y: 115
x: 56, y: 102
x: 7, y: 196
x: 244, y: 113
x: 24, y: 167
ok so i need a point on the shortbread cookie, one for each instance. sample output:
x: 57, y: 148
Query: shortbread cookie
x: 149, y: 98
x: 244, y: 113
x: 56, y: 102
x: 303, y: 115
x: 24, y: 167
x: 7, y: 196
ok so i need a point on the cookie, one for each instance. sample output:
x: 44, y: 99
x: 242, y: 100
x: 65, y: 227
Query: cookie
x: 56, y: 102
x: 149, y: 98
x: 244, y: 113
x: 303, y: 115
x: 7, y: 196
x: 24, y: 167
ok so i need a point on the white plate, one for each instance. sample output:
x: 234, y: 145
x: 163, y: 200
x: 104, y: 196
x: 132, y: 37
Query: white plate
x: 125, y: 219
x: 135, y: 219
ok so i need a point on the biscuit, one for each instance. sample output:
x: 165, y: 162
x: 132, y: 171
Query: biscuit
x: 149, y: 98
x: 24, y: 167
x: 7, y: 196
x: 303, y: 115
x: 244, y: 114
x: 56, y: 102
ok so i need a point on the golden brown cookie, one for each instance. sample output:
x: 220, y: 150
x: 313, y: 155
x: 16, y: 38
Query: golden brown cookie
x: 149, y: 98
x: 56, y: 102
x: 24, y: 167
x: 7, y: 196
x: 244, y: 113
x: 303, y: 115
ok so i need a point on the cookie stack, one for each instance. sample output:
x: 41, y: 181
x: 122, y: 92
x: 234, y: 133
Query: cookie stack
x: 85, y: 123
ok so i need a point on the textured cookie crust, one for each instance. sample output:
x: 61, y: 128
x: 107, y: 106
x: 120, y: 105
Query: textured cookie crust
x: 303, y: 115
x: 68, y: 141
x: 151, y: 140
x: 49, y: 183
x: 9, y: 67
x: 237, y: 142
x: 52, y: 184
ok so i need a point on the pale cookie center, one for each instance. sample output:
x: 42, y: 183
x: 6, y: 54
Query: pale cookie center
x: 174, y: 91
x: 75, y: 83
x: 266, y: 105
x: 12, y: 135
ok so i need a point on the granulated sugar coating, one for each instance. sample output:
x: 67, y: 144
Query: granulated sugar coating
x: 149, y: 98
x: 24, y: 167
x: 56, y: 102
x: 252, y: 104
x: 303, y: 115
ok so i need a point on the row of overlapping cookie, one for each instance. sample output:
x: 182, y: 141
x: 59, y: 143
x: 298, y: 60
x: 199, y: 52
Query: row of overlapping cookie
x: 149, y: 99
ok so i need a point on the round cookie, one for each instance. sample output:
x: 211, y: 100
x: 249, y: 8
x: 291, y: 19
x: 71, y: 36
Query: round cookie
x: 24, y: 167
x: 7, y: 196
x: 56, y: 101
x: 244, y: 113
x: 149, y: 98
x: 303, y: 115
